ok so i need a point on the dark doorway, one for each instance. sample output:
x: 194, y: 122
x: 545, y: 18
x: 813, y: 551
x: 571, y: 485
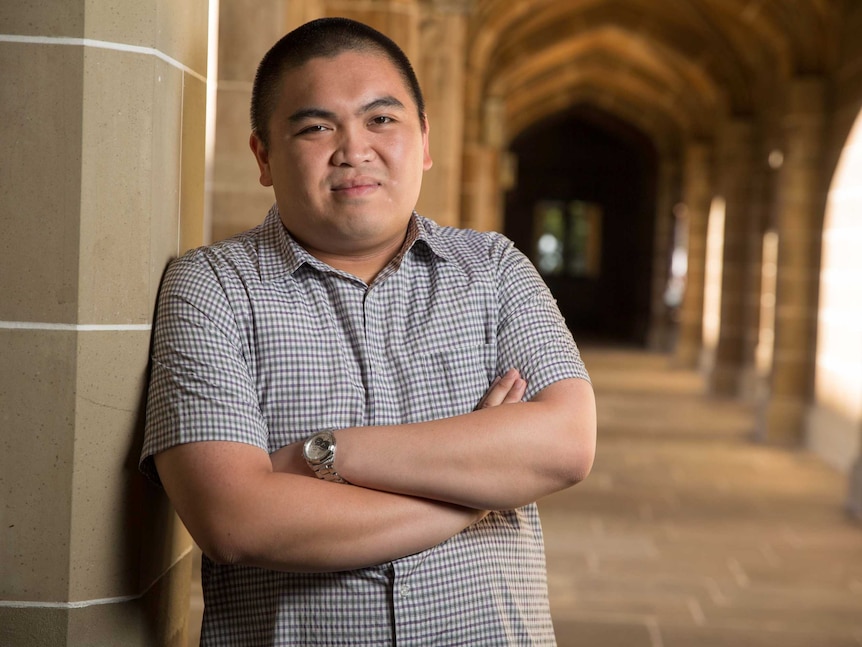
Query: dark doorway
x: 583, y: 209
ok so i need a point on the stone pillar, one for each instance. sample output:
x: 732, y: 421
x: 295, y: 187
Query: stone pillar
x: 734, y: 167
x: 398, y: 19
x: 854, y: 490
x: 296, y: 12
x: 801, y: 200
x: 480, y: 190
x: 659, y: 336
x: 238, y: 201
x: 103, y: 172
x: 485, y: 165
x: 697, y: 195
x: 753, y: 385
x: 440, y: 67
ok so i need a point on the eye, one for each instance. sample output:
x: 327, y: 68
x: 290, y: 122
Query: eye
x: 382, y: 120
x: 310, y: 130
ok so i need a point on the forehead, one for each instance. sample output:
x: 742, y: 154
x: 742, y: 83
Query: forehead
x: 349, y: 75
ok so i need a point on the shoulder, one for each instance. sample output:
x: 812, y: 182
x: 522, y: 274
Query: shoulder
x: 488, y: 257
x: 224, y: 262
x: 467, y: 247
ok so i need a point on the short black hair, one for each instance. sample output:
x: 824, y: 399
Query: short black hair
x: 321, y: 38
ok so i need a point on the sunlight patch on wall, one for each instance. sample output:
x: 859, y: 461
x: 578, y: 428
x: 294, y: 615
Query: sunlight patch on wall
x: 714, y: 270
x: 212, y: 93
x: 768, y: 283
x: 838, y: 371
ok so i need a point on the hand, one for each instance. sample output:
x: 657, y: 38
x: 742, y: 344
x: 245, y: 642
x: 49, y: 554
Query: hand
x: 289, y: 460
x: 506, y: 389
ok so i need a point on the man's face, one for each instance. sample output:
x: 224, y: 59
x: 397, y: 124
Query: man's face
x: 346, y: 154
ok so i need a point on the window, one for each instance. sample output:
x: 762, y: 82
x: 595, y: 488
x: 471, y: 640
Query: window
x: 568, y: 238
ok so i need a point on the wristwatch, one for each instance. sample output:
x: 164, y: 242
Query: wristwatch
x: 319, y: 453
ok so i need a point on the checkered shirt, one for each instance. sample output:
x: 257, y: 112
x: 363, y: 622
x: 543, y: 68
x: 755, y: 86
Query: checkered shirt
x: 256, y: 341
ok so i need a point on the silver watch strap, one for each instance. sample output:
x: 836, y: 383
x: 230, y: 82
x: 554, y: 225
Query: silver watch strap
x: 326, y: 471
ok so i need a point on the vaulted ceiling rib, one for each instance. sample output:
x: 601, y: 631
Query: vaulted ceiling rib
x: 620, y: 62
x: 681, y: 62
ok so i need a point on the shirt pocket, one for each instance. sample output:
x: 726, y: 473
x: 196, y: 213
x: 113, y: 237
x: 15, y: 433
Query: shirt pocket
x: 456, y: 378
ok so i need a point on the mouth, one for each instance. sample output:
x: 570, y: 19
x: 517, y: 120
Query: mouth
x: 356, y: 185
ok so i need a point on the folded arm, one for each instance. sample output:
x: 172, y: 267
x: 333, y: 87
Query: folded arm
x: 244, y: 506
x: 240, y: 511
x: 494, y: 458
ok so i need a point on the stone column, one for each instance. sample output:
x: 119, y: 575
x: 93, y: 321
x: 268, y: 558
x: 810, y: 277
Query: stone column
x: 753, y: 385
x: 480, y: 189
x: 441, y: 71
x: 103, y: 171
x: 485, y: 165
x: 659, y: 336
x: 734, y: 167
x: 697, y: 195
x: 854, y: 490
x: 238, y: 201
x: 297, y: 12
x: 801, y: 200
x: 398, y: 19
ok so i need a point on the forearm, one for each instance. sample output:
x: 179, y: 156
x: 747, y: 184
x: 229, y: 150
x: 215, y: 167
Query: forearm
x: 495, y: 458
x: 255, y: 516
x: 346, y: 529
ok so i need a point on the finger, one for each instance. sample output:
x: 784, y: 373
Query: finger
x: 494, y: 395
x: 499, y: 390
x: 516, y: 393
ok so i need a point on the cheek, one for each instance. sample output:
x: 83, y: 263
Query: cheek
x: 302, y: 175
x: 305, y: 157
x: 410, y: 160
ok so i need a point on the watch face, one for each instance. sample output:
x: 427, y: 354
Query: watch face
x: 317, y: 448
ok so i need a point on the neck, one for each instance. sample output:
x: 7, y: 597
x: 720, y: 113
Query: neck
x: 363, y: 265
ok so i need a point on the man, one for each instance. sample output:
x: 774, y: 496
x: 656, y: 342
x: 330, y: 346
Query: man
x: 352, y: 409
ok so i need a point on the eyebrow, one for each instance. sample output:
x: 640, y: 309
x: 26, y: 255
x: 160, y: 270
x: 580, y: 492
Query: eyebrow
x: 304, y: 114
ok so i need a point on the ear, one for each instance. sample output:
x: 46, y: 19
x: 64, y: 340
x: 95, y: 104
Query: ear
x: 427, y: 162
x: 261, y: 154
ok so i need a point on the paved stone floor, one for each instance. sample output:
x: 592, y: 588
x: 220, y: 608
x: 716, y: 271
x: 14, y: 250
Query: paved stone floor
x: 688, y: 534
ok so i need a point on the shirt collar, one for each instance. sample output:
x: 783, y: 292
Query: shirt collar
x: 280, y: 255
x: 427, y: 232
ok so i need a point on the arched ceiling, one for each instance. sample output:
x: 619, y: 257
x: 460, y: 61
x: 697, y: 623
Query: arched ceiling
x: 672, y: 68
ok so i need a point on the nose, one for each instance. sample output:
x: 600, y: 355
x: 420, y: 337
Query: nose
x: 353, y: 147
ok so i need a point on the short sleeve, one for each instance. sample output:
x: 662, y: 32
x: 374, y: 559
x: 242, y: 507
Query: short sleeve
x: 201, y: 387
x: 532, y: 334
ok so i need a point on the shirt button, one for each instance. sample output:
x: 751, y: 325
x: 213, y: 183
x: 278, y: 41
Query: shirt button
x: 405, y: 590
